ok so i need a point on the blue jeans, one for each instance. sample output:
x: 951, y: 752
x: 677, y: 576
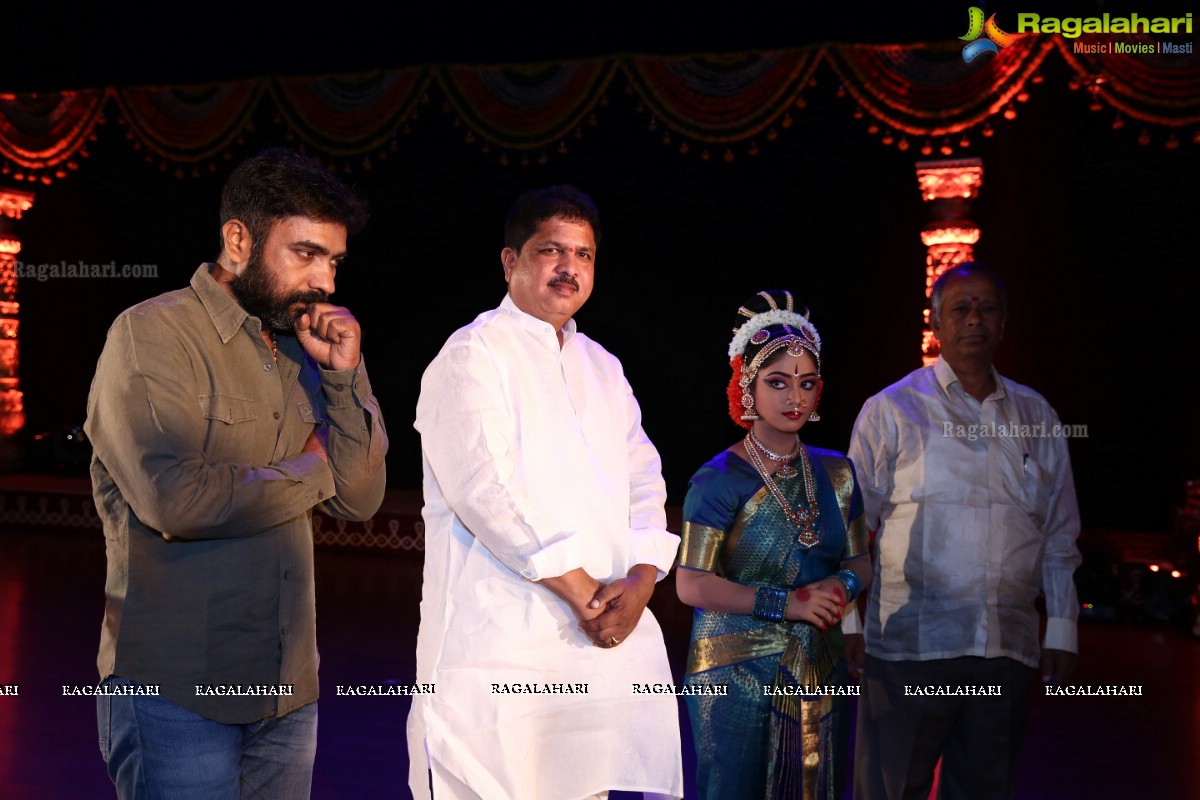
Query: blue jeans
x: 156, y: 750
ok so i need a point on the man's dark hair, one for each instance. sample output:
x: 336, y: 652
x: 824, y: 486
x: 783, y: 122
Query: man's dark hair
x: 961, y: 271
x: 533, y: 208
x: 280, y: 183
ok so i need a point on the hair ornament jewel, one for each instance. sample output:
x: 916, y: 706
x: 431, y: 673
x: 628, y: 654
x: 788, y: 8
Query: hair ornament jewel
x: 776, y: 316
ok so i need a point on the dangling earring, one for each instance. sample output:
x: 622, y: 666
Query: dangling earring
x: 814, y: 416
x: 750, y: 414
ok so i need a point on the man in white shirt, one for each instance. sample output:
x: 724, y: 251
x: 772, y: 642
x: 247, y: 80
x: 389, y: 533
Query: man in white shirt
x: 968, y: 484
x: 544, y: 537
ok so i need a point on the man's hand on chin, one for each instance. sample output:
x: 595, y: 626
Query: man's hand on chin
x: 331, y: 335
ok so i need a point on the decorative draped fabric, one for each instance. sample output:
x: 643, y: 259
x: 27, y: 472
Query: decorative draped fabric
x: 42, y: 131
x: 1157, y: 88
x: 930, y: 90
x: 922, y: 90
x: 189, y: 123
x: 722, y: 98
x: 345, y: 115
x: 526, y: 106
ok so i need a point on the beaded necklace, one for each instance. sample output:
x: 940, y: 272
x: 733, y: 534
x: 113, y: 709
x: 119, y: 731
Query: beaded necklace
x: 803, y: 518
x: 787, y: 470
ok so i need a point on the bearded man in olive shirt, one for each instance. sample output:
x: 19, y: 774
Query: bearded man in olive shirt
x: 220, y: 415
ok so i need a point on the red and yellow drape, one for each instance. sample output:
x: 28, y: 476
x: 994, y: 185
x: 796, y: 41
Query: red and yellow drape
x: 918, y: 90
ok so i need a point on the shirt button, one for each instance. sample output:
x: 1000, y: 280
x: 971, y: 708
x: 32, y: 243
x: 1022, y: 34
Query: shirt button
x: 321, y: 494
x: 340, y: 387
x: 283, y: 631
x: 276, y: 415
x: 266, y: 367
x: 286, y: 573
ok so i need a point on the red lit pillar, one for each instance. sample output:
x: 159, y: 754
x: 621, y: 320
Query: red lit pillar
x: 950, y: 237
x: 13, y: 203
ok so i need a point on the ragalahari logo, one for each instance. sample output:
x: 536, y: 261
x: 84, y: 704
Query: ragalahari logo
x: 976, y: 27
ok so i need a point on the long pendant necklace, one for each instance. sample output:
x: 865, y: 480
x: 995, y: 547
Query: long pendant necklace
x: 803, y: 518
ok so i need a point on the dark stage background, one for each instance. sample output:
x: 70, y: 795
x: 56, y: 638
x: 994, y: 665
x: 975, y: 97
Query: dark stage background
x: 1094, y: 233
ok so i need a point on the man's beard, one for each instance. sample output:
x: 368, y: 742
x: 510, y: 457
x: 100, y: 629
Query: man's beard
x: 256, y: 292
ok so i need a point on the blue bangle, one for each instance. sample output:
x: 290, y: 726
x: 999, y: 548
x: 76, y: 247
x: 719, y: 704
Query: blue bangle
x: 851, y: 583
x: 770, y: 603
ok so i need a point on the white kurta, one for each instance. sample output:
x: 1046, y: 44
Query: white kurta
x: 535, y: 464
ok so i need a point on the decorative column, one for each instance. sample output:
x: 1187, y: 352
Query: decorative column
x: 13, y: 203
x: 949, y: 187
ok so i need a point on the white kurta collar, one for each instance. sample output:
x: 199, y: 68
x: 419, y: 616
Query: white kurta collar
x: 533, y: 324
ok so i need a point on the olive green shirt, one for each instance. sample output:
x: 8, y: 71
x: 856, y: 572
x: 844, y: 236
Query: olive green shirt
x: 206, y: 496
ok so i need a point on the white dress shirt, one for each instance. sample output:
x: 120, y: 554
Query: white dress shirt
x: 535, y: 464
x: 975, y: 510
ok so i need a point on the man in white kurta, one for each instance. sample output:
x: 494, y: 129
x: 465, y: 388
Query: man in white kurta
x: 544, y: 535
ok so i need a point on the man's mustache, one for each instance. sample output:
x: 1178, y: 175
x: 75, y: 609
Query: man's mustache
x: 566, y: 279
x: 307, y: 298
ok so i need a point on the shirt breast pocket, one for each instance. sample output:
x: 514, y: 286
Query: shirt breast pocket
x: 231, y: 428
x: 1035, y: 493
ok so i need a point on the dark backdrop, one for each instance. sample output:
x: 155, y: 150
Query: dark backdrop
x: 1094, y: 232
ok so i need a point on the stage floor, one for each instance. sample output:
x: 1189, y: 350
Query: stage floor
x: 51, y: 601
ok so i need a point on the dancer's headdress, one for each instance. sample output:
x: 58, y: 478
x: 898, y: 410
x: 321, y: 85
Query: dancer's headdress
x: 766, y: 322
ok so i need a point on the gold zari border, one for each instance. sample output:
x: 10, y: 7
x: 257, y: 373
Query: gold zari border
x: 842, y: 478
x: 735, y: 647
x: 699, y: 546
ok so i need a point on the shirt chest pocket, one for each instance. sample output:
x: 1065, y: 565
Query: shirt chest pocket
x: 1035, y: 496
x: 230, y: 435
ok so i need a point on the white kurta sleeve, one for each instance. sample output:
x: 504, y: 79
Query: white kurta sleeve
x: 851, y: 623
x: 468, y: 435
x: 651, y: 543
x: 1062, y: 556
x: 872, y: 448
